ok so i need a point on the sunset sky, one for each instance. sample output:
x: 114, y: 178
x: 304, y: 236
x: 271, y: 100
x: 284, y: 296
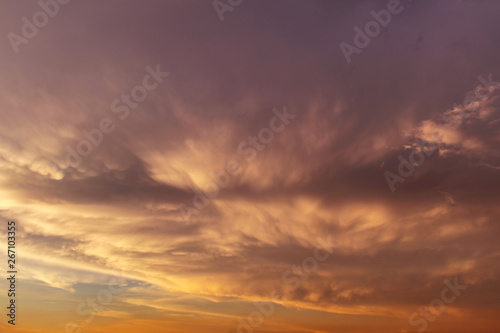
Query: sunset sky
x: 180, y: 163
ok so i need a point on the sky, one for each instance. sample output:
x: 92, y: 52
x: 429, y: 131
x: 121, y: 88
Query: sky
x: 250, y: 166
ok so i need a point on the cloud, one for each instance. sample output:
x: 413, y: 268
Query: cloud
x: 322, y: 176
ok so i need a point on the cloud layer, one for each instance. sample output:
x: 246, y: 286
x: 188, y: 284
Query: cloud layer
x: 117, y: 212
